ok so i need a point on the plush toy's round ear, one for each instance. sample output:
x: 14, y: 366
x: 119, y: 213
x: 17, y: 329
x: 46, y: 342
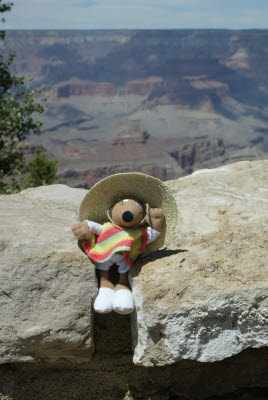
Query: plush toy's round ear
x: 102, y: 196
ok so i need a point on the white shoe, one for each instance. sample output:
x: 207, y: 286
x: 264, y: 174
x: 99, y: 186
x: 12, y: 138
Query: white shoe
x: 104, y: 301
x: 123, y: 302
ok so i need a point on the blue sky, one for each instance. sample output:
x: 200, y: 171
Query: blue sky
x: 137, y: 14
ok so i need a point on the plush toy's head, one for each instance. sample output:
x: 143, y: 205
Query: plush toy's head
x: 128, y: 213
x: 104, y: 196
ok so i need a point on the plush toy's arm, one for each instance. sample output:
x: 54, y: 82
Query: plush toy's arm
x: 83, y: 229
x: 152, y: 234
x: 94, y: 227
x: 155, y: 218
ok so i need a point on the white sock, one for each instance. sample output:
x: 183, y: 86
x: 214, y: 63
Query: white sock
x: 104, y: 301
x: 123, y: 302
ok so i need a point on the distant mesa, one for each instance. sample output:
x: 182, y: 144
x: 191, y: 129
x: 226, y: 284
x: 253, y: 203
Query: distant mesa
x: 76, y: 87
x: 80, y: 152
x: 144, y: 86
x: 209, y: 85
x: 198, y: 152
x: 239, y: 60
x: 139, y: 87
x: 135, y: 149
x: 131, y: 136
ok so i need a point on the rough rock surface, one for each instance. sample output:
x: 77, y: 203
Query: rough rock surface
x: 46, y: 282
x: 205, y: 297
x: 202, y: 299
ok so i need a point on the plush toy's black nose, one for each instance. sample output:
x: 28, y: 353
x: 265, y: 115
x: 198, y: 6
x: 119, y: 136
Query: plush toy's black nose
x: 127, y: 216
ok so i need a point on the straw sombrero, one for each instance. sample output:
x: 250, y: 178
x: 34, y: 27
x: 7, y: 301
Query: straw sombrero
x: 104, y: 194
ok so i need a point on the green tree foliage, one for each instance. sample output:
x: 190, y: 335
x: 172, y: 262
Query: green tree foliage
x: 4, y: 6
x: 17, y: 107
x: 42, y: 171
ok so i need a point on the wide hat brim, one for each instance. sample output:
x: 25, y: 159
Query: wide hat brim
x: 104, y: 194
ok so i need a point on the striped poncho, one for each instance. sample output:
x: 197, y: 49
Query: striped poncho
x: 130, y: 241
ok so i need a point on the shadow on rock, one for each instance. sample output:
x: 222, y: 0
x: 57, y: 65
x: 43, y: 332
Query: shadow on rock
x: 156, y: 255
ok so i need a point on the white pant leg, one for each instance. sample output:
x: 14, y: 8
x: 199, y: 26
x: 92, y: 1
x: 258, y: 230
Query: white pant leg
x: 123, y: 302
x: 104, y: 301
x: 119, y: 260
x: 104, y: 266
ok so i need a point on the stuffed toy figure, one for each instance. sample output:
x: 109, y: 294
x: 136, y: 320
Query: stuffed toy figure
x: 121, y: 217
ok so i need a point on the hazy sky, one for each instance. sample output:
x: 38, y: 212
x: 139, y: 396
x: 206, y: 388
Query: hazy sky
x: 137, y: 14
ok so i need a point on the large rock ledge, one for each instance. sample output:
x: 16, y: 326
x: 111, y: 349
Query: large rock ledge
x: 46, y: 282
x: 204, y: 298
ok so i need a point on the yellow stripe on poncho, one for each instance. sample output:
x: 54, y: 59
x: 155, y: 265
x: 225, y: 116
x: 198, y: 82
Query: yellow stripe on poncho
x: 130, y: 241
